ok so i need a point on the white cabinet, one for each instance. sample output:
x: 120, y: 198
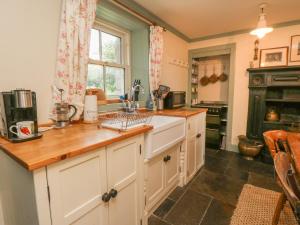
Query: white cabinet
x: 98, y: 188
x: 76, y: 187
x: 194, y: 146
x: 123, y: 173
x: 161, y: 175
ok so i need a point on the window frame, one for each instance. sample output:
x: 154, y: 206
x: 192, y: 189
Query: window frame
x: 124, y: 35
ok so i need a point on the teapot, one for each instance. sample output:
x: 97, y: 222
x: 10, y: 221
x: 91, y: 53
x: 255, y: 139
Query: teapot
x: 62, y: 112
x: 272, y: 115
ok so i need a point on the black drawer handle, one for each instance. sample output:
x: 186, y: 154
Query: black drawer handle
x: 113, y: 193
x: 106, y: 197
x: 286, y: 78
x: 198, y: 135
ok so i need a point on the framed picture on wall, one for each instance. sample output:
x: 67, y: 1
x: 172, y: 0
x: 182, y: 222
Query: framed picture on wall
x: 271, y: 57
x: 295, y: 48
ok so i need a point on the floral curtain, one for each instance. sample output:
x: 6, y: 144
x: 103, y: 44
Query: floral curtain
x: 72, y: 56
x: 155, y: 56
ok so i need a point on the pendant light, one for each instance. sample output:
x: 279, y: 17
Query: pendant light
x: 262, y: 29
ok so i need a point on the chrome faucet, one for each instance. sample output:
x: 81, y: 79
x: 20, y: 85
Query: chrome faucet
x: 132, y: 105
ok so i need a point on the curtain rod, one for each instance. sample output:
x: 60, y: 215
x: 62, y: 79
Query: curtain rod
x: 134, y: 13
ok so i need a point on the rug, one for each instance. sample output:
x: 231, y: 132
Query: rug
x: 256, y: 206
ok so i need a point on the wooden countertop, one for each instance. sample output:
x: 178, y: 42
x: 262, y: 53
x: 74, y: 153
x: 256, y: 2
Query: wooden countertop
x: 294, y: 144
x: 182, y: 112
x: 60, y: 144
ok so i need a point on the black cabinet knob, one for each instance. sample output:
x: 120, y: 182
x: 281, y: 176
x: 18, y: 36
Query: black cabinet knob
x: 198, y: 135
x: 106, y: 197
x: 113, y: 193
x: 167, y: 158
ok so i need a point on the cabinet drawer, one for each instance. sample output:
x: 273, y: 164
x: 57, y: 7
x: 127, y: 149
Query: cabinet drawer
x: 284, y: 79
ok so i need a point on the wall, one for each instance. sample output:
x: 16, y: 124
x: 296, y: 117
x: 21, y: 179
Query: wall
x: 217, y: 91
x: 244, y: 54
x: 174, y: 76
x: 29, y: 31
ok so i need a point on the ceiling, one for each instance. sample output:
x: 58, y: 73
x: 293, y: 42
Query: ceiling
x: 202, y: 18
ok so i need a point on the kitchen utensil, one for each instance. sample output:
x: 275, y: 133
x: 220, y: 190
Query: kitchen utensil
x: 164, y: 90
x: 62, y: 112
x: 18, y: 106
x: 90, y: 114
x: 23, y: 98
x: 213, y: 78
x: 24, y: 129
x: 204, y: 80
x: 223, y: 76
x: 160, y: 104
x: 272, y: 115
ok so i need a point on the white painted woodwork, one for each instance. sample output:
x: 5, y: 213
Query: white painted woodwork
x: 167, y: 131
x: 155, y: 180
x: 194, y: 147
x: 41, y: 196
x: 172, y: 166
x: 18, y: 200
x: 191, y: 157
x: 123, y: 163
x: 76, y: 187
x: 161, y: 176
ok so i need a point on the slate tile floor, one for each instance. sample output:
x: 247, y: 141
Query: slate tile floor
x: 211, y: 197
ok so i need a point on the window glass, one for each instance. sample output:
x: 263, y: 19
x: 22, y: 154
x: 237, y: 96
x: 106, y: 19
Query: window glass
x: 106, y: 69
x: 94, y: 52
x: 114, y: 81
x: 95, y: 76
x: 111, y: 48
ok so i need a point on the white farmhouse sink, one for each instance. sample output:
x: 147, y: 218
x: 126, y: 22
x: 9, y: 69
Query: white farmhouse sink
x: 167, y: 131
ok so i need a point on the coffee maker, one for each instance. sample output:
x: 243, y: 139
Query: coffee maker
x: 17, y: 106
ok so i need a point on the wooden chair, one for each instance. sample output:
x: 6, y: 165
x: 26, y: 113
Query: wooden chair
x: 288, y: 184
x: 272, y: 137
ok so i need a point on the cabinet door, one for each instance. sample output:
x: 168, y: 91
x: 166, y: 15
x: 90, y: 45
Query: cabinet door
x: 155, y: 180
x: 123, y: 172
x: 171, y: 159
x: 191, y: 157
x: 200, y: 140
x: 76, y: 187
x: 256, y: 112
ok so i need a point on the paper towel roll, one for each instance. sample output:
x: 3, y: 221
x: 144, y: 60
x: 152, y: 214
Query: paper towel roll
x: 90, y: 109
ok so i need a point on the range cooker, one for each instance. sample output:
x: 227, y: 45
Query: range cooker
x: 216, y: 123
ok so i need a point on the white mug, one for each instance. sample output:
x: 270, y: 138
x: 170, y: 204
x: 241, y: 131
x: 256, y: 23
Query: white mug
x: 24, y: 129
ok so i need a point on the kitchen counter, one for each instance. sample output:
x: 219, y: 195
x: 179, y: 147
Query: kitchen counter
x: 182, y: 112
x: 60, y: 144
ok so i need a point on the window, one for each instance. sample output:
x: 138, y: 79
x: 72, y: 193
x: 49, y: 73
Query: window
x: 108, y: 66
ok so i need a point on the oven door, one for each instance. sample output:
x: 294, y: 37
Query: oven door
x: 213, y: 124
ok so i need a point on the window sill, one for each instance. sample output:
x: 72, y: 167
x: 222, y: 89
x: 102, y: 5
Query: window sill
x: 108, y: 101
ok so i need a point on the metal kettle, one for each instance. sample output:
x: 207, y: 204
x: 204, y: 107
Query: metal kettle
x: 62, y: 112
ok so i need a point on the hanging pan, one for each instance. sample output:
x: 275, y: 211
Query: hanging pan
x: 213, y: 78
x: 204, y: 80
x: 223, y: 76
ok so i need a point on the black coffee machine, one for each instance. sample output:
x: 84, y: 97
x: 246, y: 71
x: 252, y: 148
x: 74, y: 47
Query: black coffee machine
x: 17, y: 106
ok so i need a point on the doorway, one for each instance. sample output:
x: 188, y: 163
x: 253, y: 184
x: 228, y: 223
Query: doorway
x: 223, y: 55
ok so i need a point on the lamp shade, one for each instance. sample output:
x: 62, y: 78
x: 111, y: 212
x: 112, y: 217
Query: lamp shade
x: 262, y: 29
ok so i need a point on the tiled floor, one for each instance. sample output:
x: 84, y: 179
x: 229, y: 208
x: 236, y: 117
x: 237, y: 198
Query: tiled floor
x: 210, y: 198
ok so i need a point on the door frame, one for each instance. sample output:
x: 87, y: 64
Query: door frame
x: 228, y: 49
